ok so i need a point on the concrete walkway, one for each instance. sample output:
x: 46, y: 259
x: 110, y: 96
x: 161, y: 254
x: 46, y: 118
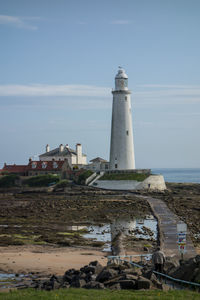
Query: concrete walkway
x: 167, y: 222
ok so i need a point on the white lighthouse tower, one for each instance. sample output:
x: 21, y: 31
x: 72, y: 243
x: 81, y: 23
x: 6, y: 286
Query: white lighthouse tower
x: 121, y: 146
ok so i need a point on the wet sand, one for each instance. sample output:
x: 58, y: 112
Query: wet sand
x: 49, y: 259
x: 46, y: 259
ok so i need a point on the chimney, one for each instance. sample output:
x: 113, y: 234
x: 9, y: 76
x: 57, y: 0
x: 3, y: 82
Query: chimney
x: 61, y: 148
x: 78, y: 154
x: 47, y: 148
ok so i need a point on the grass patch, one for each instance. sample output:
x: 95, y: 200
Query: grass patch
x: 124, y: 176
x: 8, y: 180
x: 83, y: 176
x: 82, y: 294
x: 69, y: 233
x: 42, y: 180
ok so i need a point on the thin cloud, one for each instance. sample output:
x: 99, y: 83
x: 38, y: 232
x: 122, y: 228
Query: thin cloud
x: 18, y: 22
x: 121, y: 22
x: 36, y: 90
x: 168, y: 93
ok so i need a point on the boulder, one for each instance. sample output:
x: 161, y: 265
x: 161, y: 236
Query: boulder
x: 134, y: 271
x: 105, y: 275
x: 94, y: 267
x: 115, y: 286
x: 127, y: 284
x: 94, y: 285
x: 79, y: 283
x: 143, y: 283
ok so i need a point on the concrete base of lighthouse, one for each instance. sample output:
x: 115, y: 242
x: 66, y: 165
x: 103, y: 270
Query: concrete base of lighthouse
x: 151, y: 182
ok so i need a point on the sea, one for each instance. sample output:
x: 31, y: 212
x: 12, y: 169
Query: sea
x: 179, y: 175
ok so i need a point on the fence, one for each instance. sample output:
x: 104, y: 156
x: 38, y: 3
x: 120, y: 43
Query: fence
x: 173, y: 281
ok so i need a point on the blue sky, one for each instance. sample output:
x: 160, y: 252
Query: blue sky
x: 58, y: 60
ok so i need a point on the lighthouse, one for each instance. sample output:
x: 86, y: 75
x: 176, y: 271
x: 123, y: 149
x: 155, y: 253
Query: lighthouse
x: 121, y: 145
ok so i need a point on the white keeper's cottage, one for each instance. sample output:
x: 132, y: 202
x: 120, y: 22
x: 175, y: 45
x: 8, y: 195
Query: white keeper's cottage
x: 75, y: 158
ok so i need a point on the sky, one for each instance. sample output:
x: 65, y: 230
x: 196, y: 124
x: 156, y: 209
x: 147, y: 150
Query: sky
x: 58, y: 60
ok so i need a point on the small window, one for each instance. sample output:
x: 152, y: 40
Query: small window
x: 55, y: 165
x: 115, y: 166
x: 34, y: 165
x: 127, y: 132
x: 126, y: 98
x: 44, y: 165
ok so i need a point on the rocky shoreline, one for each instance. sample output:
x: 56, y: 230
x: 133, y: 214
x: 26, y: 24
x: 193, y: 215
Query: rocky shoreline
x: 114, y: 276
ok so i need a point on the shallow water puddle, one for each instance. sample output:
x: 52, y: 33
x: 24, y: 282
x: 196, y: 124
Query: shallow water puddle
x: 138, y: 228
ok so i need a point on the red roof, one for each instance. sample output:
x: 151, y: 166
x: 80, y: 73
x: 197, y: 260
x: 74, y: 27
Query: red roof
x: 45, y: 165
x: 15, y: 168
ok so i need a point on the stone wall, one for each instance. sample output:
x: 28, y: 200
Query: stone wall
x: 153, y: 182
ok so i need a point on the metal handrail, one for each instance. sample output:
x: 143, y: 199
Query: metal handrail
x: 118, y: 258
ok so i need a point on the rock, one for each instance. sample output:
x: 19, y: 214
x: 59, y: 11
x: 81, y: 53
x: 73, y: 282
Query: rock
x: 47, y: 285
x: 134, y: 271
x: 130, y: 277
x: 105, y: 275
x: 67, y: 278
x: 143, y: 283
x: 147, y: 272
x: 196, y: 275
x: 95, y: 267
x: 78, y: 283
x: 155, y: 281
x: 165, y: 287
x: 127, y: 284
x: 170, y: 265
x: 88, y: 269
x: 115, y: 286
x: 94, y: 285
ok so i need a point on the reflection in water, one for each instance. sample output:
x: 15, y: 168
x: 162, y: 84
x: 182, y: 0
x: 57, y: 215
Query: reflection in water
x: 144, y: 229
x: 125, y: 226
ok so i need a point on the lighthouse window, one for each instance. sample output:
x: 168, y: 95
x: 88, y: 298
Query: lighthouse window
x: 126, y: 132
x: 115, y: 166
x: 126, y: 98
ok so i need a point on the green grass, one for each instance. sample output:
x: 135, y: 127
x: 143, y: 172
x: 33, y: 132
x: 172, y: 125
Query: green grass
x: 42, y: 180
x: 8, y: 180
x: 82, y: 294
x: 83, y: 176
x: 124, y: 176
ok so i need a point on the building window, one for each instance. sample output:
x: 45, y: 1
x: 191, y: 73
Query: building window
x: 34, y: 165
x: 115, y: 166
x: 55, y: 165
x: 127, y: 132
x: 44, y: 165
x: 106, y: 167
x: 126, y: 98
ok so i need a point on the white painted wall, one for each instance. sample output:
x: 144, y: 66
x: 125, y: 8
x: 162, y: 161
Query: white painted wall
x: 121, y: 146
x: 153, y: 182
x: 79, y: 154
x: 117, y: 184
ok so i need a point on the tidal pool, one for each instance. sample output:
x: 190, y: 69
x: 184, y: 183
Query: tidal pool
x: 138, y: 228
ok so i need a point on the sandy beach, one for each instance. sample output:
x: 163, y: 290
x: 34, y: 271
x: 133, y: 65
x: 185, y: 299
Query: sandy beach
x: 46, y: 259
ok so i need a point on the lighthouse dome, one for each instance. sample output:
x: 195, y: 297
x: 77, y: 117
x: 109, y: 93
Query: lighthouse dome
x: 121, y: 74
x: 121, y: 80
